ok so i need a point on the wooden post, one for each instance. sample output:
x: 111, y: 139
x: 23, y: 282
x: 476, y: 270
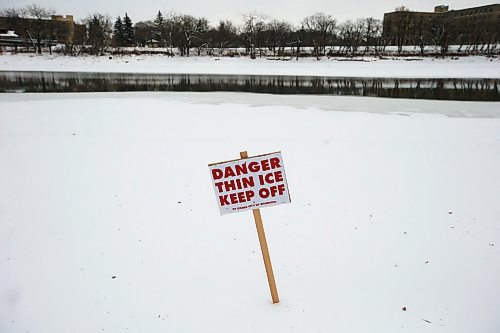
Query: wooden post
x: 263, y: 246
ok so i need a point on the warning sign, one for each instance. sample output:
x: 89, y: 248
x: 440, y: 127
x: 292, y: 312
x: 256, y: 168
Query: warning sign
x: 250, y: 183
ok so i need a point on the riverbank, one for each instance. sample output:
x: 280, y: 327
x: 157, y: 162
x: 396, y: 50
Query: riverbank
x: 415, y: 67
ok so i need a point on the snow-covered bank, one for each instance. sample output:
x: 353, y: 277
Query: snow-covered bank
x: 108, y: 220
x: 468, y: 67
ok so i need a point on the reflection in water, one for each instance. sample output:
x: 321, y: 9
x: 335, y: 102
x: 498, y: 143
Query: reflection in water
x: 445, y: 89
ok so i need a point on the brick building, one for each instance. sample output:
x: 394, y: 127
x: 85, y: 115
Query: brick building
x: 70, y: 32
x: 60, y: 29
x: 477, y: 25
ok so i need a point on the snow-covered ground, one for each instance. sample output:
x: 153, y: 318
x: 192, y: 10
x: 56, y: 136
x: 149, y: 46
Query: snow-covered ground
x: 466, y: 67
x: 108, y: 220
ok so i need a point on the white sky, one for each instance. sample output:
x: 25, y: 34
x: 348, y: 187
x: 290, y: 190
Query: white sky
x: 214, y: 10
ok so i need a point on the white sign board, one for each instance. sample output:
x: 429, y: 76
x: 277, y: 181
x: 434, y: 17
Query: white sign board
x: 249, y: 183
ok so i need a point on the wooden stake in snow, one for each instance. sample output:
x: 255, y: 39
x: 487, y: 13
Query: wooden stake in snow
x: 251, y: 183
x: 263, y: 246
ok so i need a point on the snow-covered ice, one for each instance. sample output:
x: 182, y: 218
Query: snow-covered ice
x: 108, y: 220
x: 464, y: 67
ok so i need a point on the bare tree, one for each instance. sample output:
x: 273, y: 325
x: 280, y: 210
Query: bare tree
x: 203, y: 39
x: 278, y: 35
x: 99, y: 28
x: 439, y: 34
x: 491, y: 38
x: 321, y: 26
x: 351, y: 34
x: 379, y: 41
x: 298, y: 36
x: 225, y: 35
x: 421, y: 35
x: 372, y: 29
x: 10, y: 12
x: 404, y: 24
x: 190, y: 28
x: 253, y: 25
x: 39, y: 26
x: 172, y: 29
x: 480, y: 38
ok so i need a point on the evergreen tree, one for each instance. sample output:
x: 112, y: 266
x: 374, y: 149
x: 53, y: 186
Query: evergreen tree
x: 128, y: 31
x: 159, y: 29
x: 118, y: 39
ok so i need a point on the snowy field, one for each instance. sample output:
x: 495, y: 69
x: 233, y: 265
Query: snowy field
x: 108, y: 220
x: 465, y: 67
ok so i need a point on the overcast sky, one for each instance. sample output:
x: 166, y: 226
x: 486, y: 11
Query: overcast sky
x: 214, y: 10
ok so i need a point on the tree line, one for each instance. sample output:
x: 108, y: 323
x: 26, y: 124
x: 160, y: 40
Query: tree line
x: 318, y: 35
x: 257, y: 34
x: 185, y: 34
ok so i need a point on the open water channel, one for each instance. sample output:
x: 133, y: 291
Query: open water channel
x: 417, y: 88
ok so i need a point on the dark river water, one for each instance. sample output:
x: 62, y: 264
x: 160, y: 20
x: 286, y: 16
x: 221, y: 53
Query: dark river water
x: 440, y: 89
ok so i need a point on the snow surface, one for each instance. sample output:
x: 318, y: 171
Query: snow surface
x: 465, y: 67
x: 108, y: 220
